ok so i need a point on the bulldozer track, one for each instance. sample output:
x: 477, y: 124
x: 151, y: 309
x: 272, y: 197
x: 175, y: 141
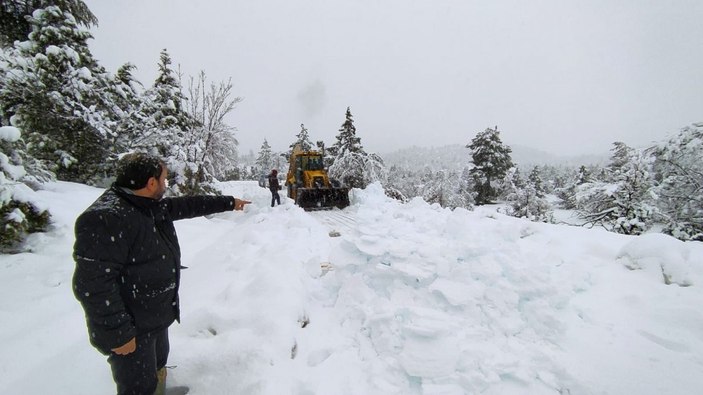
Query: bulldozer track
x: 336, y: 220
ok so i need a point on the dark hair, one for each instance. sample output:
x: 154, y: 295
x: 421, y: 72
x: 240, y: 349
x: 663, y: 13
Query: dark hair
x: 134, y: 170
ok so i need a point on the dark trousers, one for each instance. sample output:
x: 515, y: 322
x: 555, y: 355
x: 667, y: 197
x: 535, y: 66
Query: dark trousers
x: 275, y: 197
x: 135, y: 373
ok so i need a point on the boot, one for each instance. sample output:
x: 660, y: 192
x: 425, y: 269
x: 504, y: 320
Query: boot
x: 161, y: 386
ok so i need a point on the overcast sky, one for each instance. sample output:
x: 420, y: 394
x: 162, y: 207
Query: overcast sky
x: 566, y: 77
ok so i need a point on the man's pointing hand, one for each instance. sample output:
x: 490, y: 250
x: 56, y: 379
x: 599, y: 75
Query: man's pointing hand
x: 239, y: 204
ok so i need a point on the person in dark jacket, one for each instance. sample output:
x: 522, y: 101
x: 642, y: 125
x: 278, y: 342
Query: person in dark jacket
x: 274, y: 187
x: 128, y: 265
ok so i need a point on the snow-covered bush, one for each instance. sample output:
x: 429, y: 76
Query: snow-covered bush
x: 623, y: 202
x: 633, y: 195
x: 19, y: 213
x: 662, y: 257
x: 446, y: 189
x: 567, y: 196
x: 679, y: 178
x: 400, y: 184
x: 525, y: 197
x: 395, y: 193
x: 525, y: 203
x: 358, y: 169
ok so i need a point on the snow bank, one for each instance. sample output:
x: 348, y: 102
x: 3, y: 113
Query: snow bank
x: 410, y: 299
x: 665, y: 258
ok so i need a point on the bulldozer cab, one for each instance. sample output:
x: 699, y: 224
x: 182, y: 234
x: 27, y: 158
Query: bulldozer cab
x: 311, y: 162
x: 309, y: 185
x: 309, y: 171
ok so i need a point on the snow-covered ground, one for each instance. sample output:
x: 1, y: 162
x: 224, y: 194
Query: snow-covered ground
x: 409, y: 299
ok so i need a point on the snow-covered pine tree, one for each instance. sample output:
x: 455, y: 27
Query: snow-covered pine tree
x: 127, y: 93
x: 535, y: 179
x: 19, y: 213
x: 265, y: 162
x: 165, y: 122
x: 491, y: 160
x: 351, y: 164
x: 14, y: 25
x: 302, y: 139
x: 584, y: 175
x: 621, y: 154
x: 60, y: 97
x: 347, y: 141
x: 166, y: 119
x: 679, y: 175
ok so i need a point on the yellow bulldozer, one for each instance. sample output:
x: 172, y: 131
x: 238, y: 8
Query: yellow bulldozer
x: 310, y: 186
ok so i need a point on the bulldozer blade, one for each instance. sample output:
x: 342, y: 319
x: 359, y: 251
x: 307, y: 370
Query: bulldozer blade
x: 323, y: 198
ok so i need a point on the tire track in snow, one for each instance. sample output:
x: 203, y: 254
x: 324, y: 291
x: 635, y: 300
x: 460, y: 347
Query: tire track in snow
x: 335, y: 220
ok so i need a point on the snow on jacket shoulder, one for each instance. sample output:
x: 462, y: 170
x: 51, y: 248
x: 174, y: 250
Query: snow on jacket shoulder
x: 128, y: 262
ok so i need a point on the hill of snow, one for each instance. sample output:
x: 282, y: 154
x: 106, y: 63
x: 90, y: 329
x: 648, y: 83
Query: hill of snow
x: 410, y: 299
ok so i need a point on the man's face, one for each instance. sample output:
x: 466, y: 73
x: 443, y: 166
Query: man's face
x: 162, y: 185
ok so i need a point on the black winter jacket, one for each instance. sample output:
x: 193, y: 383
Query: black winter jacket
x: 128, y: 262
x: 273, y: 183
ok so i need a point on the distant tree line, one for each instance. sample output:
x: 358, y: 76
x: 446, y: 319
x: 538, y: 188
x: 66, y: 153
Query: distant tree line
x: 656, y: 188
x: 638, y: 189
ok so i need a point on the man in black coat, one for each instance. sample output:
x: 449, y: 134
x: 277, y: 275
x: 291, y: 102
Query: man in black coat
x: 128, y: 268
x: 274, y: 187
